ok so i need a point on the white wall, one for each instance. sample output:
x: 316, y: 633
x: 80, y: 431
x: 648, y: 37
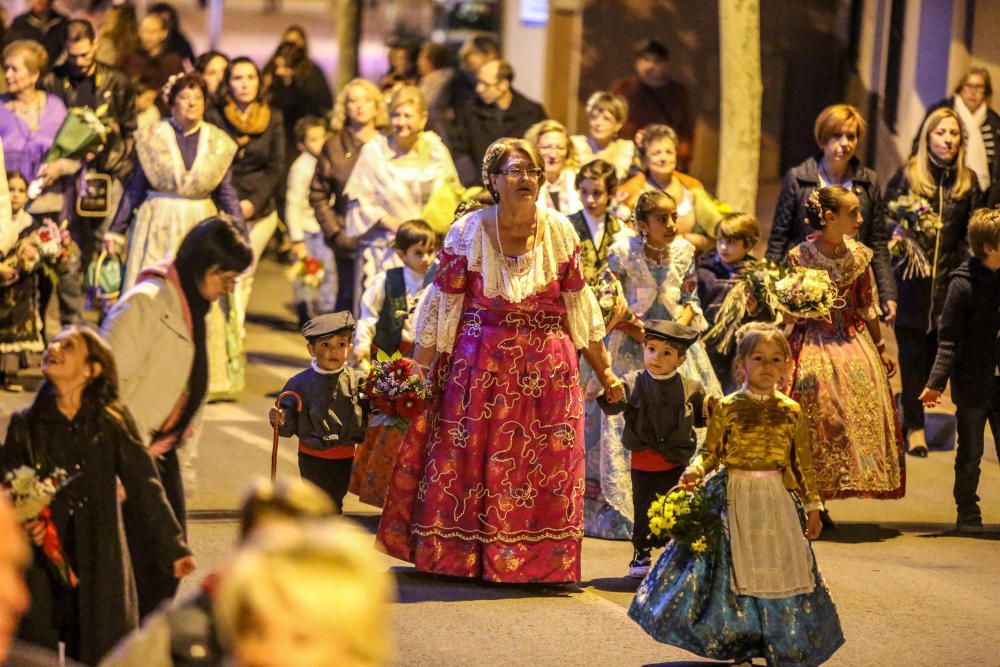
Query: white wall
x: 524, y: 47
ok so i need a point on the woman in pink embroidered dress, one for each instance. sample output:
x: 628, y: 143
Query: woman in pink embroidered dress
x: 489, y: 481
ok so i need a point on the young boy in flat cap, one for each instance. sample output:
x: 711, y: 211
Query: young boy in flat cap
x: 662, y: 409
x: 334, y: 416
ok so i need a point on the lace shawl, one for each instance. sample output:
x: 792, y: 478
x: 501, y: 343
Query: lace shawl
x: 468, y: 248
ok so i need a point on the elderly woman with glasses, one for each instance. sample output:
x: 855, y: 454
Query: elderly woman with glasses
x: 489, y: 481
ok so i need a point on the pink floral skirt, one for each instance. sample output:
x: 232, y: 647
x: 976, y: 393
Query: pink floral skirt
x: 489, y: 481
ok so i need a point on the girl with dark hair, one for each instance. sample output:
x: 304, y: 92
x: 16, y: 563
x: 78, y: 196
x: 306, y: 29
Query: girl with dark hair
x: 296, y: 86
x: 159, y: 333
x: 212, y: 66
x: 77, y: 423
x: 842, y: 368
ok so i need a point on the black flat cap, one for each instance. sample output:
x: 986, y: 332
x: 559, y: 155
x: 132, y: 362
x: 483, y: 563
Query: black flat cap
x: 327, y: 325
x: 671, y: 331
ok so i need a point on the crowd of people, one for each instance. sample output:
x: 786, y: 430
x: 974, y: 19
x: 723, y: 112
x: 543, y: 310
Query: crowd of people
x: 561, y: 294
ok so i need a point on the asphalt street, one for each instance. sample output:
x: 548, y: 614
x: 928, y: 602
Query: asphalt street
x: 909, y: 591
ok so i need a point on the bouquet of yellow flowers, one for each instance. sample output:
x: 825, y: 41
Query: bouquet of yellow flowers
x: 686, y: 517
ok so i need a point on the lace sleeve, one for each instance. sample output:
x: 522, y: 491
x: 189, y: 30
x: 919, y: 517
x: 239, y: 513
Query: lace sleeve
x: 583, y: 317
x: 440, y: 309
x: 583, y: 314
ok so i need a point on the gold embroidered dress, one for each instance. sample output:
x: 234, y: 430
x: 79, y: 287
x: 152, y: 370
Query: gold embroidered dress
x: 842, y: 386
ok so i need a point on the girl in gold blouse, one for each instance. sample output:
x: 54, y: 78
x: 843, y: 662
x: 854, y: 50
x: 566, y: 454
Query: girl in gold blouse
x: 756, y: 591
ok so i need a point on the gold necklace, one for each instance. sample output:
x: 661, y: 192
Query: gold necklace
x: 520, y: 264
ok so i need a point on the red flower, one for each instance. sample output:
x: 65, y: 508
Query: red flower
x: 409, y: 407
x: 312, y: 266
x: 53, y: 550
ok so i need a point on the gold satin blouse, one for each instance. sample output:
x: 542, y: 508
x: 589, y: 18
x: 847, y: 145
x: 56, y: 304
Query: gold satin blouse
x: 757, y: 433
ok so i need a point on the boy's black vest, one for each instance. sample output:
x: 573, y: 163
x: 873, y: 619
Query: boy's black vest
x: 392, y: 317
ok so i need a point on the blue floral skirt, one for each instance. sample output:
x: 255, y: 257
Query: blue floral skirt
x: 688, y: 601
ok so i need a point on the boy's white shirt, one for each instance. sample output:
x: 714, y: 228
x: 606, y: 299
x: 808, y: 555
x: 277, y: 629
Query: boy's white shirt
x: 371, y: 306
x: 299, y: 215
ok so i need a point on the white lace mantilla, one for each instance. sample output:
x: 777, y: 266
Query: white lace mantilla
x: 642, y: 290
x: 439, y: 313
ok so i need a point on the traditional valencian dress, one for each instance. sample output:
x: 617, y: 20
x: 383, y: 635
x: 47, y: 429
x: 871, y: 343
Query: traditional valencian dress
x: 489, y: 481
x: 174, y: 184
x: 756, y: 591
x: 653, y: 291
x: 843, y: 387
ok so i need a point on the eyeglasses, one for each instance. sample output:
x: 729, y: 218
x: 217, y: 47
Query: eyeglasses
x: 974, y: 86
x: 534, y: 172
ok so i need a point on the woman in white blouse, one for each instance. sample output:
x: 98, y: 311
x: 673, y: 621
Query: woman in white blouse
x: 392, y: 182
x: 489, y: 480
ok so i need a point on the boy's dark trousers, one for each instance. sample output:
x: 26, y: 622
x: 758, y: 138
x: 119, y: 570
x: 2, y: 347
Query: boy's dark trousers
x: 331, y: 475
x: 646, y: 485
x: 971, y: 425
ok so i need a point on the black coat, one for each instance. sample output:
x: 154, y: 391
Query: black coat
x: 967, y: 336
x: 789, y: 227
x: 309, y: 94
x: 98, y: 451
x: 111, y: 86
x: 921, y: 299
x: 258, y: 166
x: 49, y: 32
x: 993, y: 118
x: 477, y: 125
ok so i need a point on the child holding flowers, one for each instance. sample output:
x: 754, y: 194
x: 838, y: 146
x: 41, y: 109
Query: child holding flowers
x: 842, y: 369
x: 20, y: 318
x: 386, y: 325
x: 734, y: 591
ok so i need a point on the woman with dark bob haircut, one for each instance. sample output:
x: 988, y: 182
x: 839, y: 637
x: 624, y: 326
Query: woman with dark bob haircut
x: 158, y: 333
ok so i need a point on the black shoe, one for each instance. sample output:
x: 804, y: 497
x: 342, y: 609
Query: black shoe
x: 639, y: 567
x: 972, y: 523
x: 824, y: 518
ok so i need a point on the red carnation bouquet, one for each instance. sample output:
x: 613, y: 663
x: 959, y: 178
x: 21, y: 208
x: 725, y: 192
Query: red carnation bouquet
x: 308, y: 272
x: 396, y: 391
x: 31, y: 496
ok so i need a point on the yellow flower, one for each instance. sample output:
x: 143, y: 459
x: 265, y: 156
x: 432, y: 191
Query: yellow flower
x: 669, y: 521
x: 699, y: 545
x: 657, y: 525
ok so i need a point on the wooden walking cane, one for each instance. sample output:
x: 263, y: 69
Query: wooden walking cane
x: 274, y: 449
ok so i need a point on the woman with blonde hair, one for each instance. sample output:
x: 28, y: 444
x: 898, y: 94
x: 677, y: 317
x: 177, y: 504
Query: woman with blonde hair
x: 939, y: 175
x: 324, y: 573
x: 396, y: 174
x: 358, y: 114
x: 838, y: 131
x: 558, y: 191
x: 606, y: 113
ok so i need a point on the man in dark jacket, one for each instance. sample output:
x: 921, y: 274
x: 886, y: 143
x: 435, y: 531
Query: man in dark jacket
x: 42, y: 24
x: 967, y: 355
x: 653, y: 97
x: 81, y: 81
x: 498, y: 111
